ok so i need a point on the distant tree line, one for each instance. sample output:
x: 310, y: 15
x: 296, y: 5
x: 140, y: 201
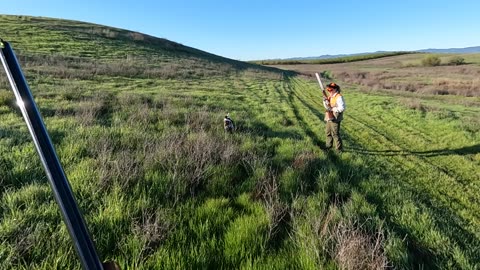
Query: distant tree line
x: 336, y: 60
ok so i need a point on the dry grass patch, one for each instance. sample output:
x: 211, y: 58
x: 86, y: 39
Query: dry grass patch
x: 356, y: 249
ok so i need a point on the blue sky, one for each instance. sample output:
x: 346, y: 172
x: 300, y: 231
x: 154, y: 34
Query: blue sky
x: 269, y: 29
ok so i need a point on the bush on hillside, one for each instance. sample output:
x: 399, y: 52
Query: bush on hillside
x: 327, y: 74
x: 431, y: 61
x: 456, y: 61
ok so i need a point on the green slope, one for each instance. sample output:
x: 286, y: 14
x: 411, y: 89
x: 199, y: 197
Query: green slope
x: 137, y: 124
x: 41, y: 35
x: 96, y: 48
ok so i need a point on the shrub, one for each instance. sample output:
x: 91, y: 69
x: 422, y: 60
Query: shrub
x: 356, y: 249
x: 431, y: 61
x: 6, y: 98
x: 87, y: 112
x: 327, y: 74
x: 456, y: 61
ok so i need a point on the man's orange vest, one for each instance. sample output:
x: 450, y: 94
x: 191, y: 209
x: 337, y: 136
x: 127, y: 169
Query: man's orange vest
x: 333, y: 103
x: 333, y: 100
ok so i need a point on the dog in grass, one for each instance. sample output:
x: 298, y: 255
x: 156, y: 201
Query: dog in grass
x: 228, y: 124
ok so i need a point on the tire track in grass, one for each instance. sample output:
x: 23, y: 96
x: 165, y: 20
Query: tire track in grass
x: 437, y: 204
x: 400, y: 133
x: 446, y: 160
x: 403, y: 157
x: 441, y: 200
x: 450, y: 161
x: 422, y: 133
x: 411, y: 158
x: 456, y: 227
x: 396, y: 195
x: 267, y: 115
x: 442, y: 205
x: 303, y: 124
x: 464, y: 214
x: 401, y: 146
x: 255, y: 89
x: 387, y: 213
x: 301, y: 96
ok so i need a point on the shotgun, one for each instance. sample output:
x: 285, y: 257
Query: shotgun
x: 62, y: 191
x: 328, y: 114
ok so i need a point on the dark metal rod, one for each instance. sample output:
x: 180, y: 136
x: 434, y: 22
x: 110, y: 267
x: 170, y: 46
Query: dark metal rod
x: 58, y: 181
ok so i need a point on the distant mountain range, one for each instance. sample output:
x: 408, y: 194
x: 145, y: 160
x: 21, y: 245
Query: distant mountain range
x: 475, y: 49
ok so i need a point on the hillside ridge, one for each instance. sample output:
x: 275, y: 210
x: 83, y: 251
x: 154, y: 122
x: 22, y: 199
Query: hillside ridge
x: 31, y: 35
x: 50, y: 41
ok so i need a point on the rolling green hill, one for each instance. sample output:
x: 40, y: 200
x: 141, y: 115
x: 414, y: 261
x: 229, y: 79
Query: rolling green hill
x: 137, y: 123
x: 95, y: 49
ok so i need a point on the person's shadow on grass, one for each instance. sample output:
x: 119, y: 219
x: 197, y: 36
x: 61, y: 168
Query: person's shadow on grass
x: 468, y: 150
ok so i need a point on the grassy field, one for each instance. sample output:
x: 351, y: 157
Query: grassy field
x: 334, y: 60
x: 137, y: 124
x: 405, y: 73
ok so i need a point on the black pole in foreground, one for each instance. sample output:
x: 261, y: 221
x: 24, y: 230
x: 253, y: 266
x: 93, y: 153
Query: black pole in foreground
x: 58, y: 181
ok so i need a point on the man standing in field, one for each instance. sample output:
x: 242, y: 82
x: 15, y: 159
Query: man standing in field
x: 335, y: 104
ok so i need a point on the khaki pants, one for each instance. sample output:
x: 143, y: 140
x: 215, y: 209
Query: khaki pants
x: 332, y: 130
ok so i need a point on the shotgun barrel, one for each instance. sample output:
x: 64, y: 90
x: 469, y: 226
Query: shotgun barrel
x: 328, y: 114
x: 58, y: 181
x: 320, y: 82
